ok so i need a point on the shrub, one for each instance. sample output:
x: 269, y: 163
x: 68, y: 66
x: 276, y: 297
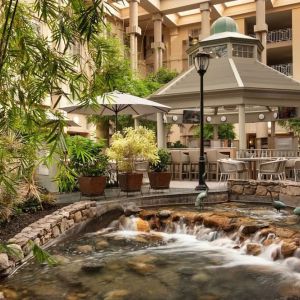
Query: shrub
x: 162, y: 164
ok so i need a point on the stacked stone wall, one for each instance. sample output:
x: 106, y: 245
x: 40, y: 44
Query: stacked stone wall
x: 44, y: 231
x: 265, y: 191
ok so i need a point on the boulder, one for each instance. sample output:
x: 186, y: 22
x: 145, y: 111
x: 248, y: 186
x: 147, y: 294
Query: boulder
x: 77, y: 217
x: 142, y: 225
x: 102, y: 244
x: 17, y: 253
x: 237, y: 189
x: 131, y: 209
x: 220, y: 222
x: 253, y: 249
x: 85, y: 249
x: 61, y: 260
x: 4, y: 263
x: 147, y: 214
x: 261, y: 190
x: 164, y: 213
x: 116, y: 295
x: 93, y: 267
x: 288, y: 249
x: 141, y: 267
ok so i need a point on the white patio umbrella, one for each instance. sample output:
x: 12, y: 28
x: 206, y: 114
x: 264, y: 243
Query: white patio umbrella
x: 116, y: 103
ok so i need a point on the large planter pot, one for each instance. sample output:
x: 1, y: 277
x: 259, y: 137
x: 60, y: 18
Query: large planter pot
x: 130, y: 182
x: 159, y: 180
x: 92, y: 186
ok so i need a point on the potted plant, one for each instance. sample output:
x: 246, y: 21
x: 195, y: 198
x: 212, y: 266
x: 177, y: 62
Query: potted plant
x: 88, y: 161
x: 126, y: 149
x: 159, y: 177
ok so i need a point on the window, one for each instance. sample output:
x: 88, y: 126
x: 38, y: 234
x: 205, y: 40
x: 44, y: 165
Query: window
x: 217, y: 51
x: 242, y: 51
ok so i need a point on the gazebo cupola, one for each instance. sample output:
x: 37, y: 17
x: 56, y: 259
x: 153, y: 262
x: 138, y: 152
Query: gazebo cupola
x: 226, y: 41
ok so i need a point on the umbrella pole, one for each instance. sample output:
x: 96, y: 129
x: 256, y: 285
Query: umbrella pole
x: 116, y: 121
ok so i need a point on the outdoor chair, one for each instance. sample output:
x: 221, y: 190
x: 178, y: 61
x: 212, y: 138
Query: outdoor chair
x: 212, y: 157
x: 296, y: 168
x: 230, y: 168
x: 273, y: 169
x: 194, y: 164
x: 289, y: 168
x: 180, y: 164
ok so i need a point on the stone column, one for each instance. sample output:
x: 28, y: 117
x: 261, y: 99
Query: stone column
x: 133, y: 30
x: 158, y: 45
x: 242, y: 127
x: 261, y: 28
x: 205, y: 20
x: 175, y: 53
x: 296, y: 43
x: 160, y: 130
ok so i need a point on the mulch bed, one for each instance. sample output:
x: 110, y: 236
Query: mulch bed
x: 18, y: 222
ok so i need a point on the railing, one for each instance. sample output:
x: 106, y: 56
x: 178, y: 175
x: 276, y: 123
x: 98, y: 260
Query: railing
x: 286, y: 69
x: 249, y: 153
x: 280, y: 35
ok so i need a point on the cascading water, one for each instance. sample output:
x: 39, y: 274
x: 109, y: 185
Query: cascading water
x: 182, y: 259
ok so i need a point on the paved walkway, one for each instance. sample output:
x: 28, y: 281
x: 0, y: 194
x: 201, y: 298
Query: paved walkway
x: 176, y: 187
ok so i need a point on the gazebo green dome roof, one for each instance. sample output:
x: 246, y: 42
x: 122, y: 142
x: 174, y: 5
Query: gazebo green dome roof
x: 223, y: 24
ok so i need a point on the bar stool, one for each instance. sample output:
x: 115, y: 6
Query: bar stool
x: 194, y: 164
x: 180, y: 164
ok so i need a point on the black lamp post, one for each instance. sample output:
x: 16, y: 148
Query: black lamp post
x: 201, y: 62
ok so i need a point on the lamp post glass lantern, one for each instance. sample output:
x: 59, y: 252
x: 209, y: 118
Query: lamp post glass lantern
x: 201, y: 62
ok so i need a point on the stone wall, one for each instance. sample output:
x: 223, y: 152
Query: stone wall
x: 264, y: 191
x: 44, y: 231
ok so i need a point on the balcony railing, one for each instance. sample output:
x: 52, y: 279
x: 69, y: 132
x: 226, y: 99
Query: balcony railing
x: 280, y: 35
x: 286, y: 69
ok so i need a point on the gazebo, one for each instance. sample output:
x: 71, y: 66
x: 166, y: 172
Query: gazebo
x: 236, y: 82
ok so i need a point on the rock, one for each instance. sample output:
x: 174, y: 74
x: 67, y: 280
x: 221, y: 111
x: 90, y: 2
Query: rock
x: 85, y: 249
x: 288, y: 249
x: 201, y: 277
x: 164, y: 213
x: 55, y: 231
x: 220, y: 222
x: 154, y: 223
x: 140, y: 239
x: 237, y: 189
x: 296, y: 211
x: 116, y: 295
x: 142, y: 225
x: 10, y: 294
x: 4, y: 263
x: 17, y: 253
x: 2, y: 296
x: 102, y: 244
x: 252, y: 228
x: 249, y: 190
x: 147, y: 214
x: 61, y: 260
x: 254, y: 249
x: 284, y: 232
x: 131, y: 209
x: 261, y: 191
x: 186, y: 271
x: 77, y: 217
x: 141, y: 268
x: 93, y: 267
x: 293, y: 190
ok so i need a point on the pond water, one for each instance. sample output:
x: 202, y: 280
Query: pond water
x: 191, y: 262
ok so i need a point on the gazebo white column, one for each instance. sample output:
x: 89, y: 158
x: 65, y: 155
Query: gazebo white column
x: 160, y: 130
x: 261, y: 28
x: 136, y: 122
x: 205, y: 20
x: 158, y: 45
x: 242, y: 127
x: 133, y: 30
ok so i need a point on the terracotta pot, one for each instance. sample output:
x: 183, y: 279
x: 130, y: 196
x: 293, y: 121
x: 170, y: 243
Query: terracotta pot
x: 159, y: 180
x: 130, y: 182
x: 92, y: 186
